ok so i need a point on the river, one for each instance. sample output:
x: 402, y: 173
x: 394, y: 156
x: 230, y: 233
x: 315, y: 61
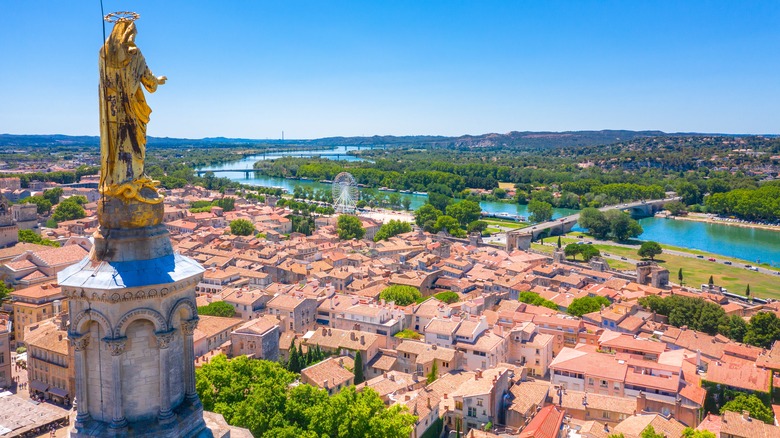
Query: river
x: 744, y: 243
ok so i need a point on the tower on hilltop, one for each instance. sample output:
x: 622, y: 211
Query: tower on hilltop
x: 132, y: 300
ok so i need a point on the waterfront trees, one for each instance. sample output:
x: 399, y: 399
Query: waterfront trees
x: 613, y: 224
x: 541, y: 211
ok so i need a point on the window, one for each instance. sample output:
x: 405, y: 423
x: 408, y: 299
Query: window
x: 604, y: 384
x: 605, y: 415
x: 590, y: 381
x: 458, y: 405
x: 472, y: 412
x: 479, y: 402
x: 445, y: 337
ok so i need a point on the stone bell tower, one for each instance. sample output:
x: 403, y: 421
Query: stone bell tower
x: 132, y: 299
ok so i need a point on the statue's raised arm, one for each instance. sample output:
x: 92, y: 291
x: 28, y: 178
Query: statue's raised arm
x: 124, y: 114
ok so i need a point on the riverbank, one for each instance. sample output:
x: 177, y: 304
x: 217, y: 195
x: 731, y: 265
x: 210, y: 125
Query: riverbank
x: 711, y: 219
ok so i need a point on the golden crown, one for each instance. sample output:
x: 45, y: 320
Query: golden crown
x: 116, y: 17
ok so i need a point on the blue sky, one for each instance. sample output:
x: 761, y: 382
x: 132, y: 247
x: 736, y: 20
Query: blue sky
x: 324, y: 68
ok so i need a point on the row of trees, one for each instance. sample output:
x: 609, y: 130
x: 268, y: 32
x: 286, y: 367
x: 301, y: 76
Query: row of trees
x: 760, y: 204
x: 460, y: 219
x: 300, y: 360
x: 578, y: 306
x: 708, y: 317
x: 392, y: 228
x: 258, y: 395
x: 586, y: 251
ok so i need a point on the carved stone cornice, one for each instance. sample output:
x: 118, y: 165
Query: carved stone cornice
x: 116, y: 345
x: 130, y: 294
x: 79, y: 343
x: 164, y: 339
x: 188, y: 326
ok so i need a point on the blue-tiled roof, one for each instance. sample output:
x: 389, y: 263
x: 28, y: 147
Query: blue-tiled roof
x: 117, y: 275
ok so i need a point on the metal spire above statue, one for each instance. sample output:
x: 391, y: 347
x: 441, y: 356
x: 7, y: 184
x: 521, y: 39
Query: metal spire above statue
x: 129, y: 196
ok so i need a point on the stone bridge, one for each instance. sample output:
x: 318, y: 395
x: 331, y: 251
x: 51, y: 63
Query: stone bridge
x: 522, y: 238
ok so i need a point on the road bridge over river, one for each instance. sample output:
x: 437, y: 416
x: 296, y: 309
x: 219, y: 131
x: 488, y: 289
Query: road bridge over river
x: 522, y: 238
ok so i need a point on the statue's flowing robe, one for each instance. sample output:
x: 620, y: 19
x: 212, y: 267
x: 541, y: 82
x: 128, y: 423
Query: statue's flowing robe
x: 124, y: 114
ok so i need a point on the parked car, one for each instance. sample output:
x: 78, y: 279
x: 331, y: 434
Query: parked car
x: 727, y: 262
x: 711, y: 259
x: 699, y: 256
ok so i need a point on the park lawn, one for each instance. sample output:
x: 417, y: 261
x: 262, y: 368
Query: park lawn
x: 620, y: 265
x: 697, y: 272
x: 492, y: 230
x: 505, y: 223
x: 542, y: 248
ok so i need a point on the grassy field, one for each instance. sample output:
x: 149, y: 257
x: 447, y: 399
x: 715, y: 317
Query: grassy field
x: 505, y: 223
x: 697, y: 271
x: 506, y: 185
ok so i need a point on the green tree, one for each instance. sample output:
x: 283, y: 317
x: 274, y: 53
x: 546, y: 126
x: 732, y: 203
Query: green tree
x: 621, y: 226
x: 559, y: 242
x: 53, y: 195
x: 406, y: 203
x: 690, y: 432
x: 349, y: 227
x: 30, y: 236
x: 595, y: 222
x: 676, y: 208
x: 464, y: 212
x: 586, y: 304
x: 42, y: 204
x: 434, y: 374
x: 425, y: 217
x: 680, y: 276
x: 649, y: 432
x: 477, y: 227
x: 401, y: 295
x: 294, y: 362
x: 242, y: 227
x: 736, y: 329
x: 68, y: 210
x: 392, y: 228
x: 5, y: 292
x: 535, y: 299
x: 747, y: 291
x: 763, y: 330
x: 572, y: 250
x: 217, y: 308
x: 588, y: 252
x: 450, y: 225
x: 650, y: 249
x: 752, y: 404
x: 439, y: 201
x: 447, y: 297
x: 711, y: 282
x: 359, y: 378
x: 540, y: 211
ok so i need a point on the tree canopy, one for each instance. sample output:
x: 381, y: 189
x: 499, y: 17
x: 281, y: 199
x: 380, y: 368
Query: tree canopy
x: 392, y: 228
x: 613, y: 224
x: 349, y: 227
x: 464, y: 212
x: 649, y: 250
x: 217, y: 308
x: 540, y: 211
x: 256, y: 394
x: 587, y: 304
x: 242, y: 227
x: 587, y: 251
x: 752, y: 404
x: 763, y: 330
x: 69, y: 209
x: 30, y: 236
x: 401, y: 295
x: 535, y: 299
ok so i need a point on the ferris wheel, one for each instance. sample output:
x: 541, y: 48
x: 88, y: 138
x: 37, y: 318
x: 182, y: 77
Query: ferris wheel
x: 345, y: 193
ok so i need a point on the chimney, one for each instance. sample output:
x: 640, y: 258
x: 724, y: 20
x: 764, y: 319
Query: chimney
x: 325, y: 383
x: 352, y: 336
x: 478, y: 374
x: 746, y: 415
x: 698, y: 359
x: 407, y: 397
x: 445, y: 396
x: 362, y: 340
x: 392, y: 377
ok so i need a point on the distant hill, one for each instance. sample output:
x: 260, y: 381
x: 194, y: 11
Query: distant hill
x: 514, y: 139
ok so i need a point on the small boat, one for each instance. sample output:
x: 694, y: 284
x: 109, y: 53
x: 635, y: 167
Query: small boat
x: 419, y: 193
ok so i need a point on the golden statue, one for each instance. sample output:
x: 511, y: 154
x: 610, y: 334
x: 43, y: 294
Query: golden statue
x: 124, y: 114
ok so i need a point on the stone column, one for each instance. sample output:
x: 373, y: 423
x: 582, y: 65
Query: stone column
x: 117, y: 347
x: 188, y: 328
x: 80, y: 343
x: 163, y: 342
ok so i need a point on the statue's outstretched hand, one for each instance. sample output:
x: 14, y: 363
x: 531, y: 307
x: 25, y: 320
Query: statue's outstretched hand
x: 161, y: 79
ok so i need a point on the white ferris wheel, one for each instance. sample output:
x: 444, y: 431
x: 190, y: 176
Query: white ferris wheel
x: 345, y: 193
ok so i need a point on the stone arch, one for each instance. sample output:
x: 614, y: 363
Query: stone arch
x: 187, y: 304
x: 150, y: 315
x: 78, y: 325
